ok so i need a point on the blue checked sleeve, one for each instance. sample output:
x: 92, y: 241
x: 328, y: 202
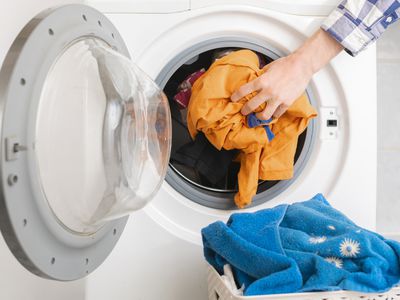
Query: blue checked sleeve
x: 357, y: 23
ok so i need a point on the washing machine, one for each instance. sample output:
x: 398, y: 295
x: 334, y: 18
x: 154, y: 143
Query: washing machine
x: 62, y: 85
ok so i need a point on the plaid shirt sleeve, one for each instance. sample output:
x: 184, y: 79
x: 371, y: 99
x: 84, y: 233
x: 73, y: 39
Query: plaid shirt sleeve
x: 357, y: 23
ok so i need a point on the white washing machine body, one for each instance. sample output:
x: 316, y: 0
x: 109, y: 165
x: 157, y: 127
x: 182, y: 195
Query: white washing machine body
x: 159, y: 254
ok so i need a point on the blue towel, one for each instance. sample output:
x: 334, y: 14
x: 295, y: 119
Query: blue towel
x: 306, y: 246
x: 253, y: 121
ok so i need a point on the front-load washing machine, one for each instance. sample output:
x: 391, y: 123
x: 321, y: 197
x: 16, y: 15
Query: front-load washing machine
x: 61, y: 86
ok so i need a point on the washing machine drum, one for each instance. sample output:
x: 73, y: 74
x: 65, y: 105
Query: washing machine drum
x: 85, y: 137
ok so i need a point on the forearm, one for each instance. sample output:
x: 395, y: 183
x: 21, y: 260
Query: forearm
x: 317, y: 51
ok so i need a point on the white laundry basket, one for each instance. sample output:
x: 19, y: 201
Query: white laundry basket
x: 217, y: 290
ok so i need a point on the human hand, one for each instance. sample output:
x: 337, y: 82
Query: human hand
x: 287, y: 78
x: 282, y: 83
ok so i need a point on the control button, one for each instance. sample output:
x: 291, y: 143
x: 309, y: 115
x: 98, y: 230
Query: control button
x: 331, y: 123
x: 329, y: 129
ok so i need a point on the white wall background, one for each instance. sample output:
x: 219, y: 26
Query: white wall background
x: 389, y: 130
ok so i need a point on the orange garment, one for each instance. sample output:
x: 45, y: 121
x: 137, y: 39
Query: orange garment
x: 212, y: 112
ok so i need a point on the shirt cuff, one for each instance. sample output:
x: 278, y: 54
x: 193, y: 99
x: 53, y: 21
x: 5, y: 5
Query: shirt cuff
x: 344, y: 28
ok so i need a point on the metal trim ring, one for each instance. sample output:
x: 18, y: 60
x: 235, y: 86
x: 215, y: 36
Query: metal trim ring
x: 33, y: 234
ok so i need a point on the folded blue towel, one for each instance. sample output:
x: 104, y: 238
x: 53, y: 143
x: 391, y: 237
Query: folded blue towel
x: 306, y: 246
x: 253, y: 121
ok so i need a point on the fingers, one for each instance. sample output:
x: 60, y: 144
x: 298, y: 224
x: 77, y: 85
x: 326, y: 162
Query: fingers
x: 268, y: 111
x: 244, y: 90
x: 273, y: 108
x: 254, y: 102
x: 280, y: 110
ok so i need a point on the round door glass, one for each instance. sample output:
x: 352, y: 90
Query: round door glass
x: 103, y: 136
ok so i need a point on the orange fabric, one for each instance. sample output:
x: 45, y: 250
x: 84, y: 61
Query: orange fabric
x: 212, y: 112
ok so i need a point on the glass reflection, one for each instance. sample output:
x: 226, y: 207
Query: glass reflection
x: 103, y: 136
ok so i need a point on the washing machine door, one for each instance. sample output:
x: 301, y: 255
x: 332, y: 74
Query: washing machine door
x: 85, y: 140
